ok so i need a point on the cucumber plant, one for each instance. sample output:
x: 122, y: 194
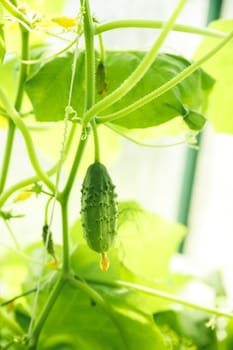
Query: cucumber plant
x: 60, y: 304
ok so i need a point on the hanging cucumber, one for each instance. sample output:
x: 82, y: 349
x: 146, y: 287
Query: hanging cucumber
x: 48, y: 240
x: 99, y: 211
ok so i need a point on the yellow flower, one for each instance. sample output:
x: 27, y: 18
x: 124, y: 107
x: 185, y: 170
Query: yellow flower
x: 22, y: 196
x: 65, y: 22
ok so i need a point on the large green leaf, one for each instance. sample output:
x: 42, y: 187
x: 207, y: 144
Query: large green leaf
x: 186, y: 95
x: 148, y: 241
x: 48, y: 89
x: 220, y: 104
x: 85, y: 325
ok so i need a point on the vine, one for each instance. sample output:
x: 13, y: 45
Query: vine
x: 104, y: 293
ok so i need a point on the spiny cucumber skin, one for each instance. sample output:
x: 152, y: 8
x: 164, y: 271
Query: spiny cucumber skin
x: 99, y: 210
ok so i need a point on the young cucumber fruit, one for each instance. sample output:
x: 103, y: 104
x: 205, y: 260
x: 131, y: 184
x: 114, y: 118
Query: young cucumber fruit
x: 99, y: 211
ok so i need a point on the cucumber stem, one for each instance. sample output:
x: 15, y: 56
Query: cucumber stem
x: 96, y: 141
x: 155, y: 24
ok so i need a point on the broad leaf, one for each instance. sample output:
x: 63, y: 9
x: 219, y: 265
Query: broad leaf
x: 176, y: 102
x: 148, y: 241
x: 55, y: 77
x: 220, y: 104
x: 86, y: 325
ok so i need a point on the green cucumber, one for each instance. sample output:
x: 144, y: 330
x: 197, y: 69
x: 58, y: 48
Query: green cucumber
x: 99, y: 212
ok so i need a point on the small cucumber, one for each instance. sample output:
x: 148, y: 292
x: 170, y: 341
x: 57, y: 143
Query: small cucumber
x: 48, y: 240
x: 99, y: 210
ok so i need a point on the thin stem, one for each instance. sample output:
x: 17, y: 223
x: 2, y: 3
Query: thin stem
x: 29, y: 181
x: 48, y: 58
x: 92, y: 293
x: 89, y: 96
x: 13, y: 114
x: 24, y: 294
x: 7, y: 155
x: 90, y: 72
x: 46, y: 215
x: 167, y: 86
x: 138, y: 73
x: 154, y: 24
x: 96, y: 141
x: 54, y: 35
x: 89, y: 57
x: 141, y: 143
x: 18, y: 103
x: 101, y: 48
x: 68, y: 110
x: 12, y: 235
x: 162, y: 295
x: 65, y: 237
x: 34, y: 335
x: 72, y: 174
x: 13, y: 10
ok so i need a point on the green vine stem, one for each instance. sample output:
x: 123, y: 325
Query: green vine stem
x: 89, y: 96
x: 162, y: 295
x: 138, y: 73
x: 89, y: 56
x: 46, y: 212
x: 65, y: 237
x: 12, y: 235
x: 29, y: 181
x: 137, y: 141
x: 101, y: 48
x: 63, y: 196
x: 154, y: 24
x: 34, y: 335
x: 18, y: 103
x: 7, y: 154
x: 12, y: 300
x: 48, y: 58
x: 96, y: 141
x: 167, y: 86
x: 15, y: 12
x: 24, y: 183
x: 90, y: 72
x: 14, y: 116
